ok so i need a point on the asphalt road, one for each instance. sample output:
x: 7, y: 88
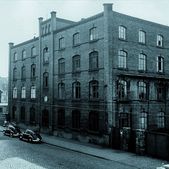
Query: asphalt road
x: 16, y: 154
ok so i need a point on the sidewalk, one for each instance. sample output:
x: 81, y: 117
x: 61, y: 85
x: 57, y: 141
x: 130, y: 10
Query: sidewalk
x: 131, y: 159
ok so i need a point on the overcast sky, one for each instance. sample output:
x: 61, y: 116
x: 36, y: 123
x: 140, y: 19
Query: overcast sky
x: 19, y: 18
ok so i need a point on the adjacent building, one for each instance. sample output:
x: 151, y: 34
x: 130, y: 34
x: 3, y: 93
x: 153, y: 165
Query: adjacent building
x: 81, y: 79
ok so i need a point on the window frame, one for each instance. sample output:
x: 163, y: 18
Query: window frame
x: 23, y: 92
x: 76, y: 63
x: 61, y: 66
x: 142, y: 37
x: 160, y: 40
x: 122, y: 32
x: 122, y: 59
x: 93, y: 89
x: 142, y: 62
x: 76, y: 39
x: 33, y: 92
x: 76, y: 90
x: 61, y: 43
x: 61, y: 91
x: 160, y: 64
x: 93, y: 60
x: 93, y: 34
x: 142, y: 90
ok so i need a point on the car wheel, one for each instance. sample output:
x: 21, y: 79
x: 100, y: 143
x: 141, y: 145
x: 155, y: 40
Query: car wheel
x: 11, y: 134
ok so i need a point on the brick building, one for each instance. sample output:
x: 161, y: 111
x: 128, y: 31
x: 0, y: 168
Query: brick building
x: 81, y: 79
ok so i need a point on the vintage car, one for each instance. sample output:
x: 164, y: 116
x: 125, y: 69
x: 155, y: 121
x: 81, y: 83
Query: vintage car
x: 12, y: 131
x: 166, y: 166
x: 30, y: 136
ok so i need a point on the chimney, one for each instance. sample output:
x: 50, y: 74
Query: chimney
x: 53, y: 14
x: 108, y: 6
x: 40, y: 19
x: 11, y: 44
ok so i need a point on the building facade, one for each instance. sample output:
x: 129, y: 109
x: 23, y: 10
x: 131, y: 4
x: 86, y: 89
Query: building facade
x: 81, y: 79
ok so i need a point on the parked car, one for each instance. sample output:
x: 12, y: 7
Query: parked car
x: 30, y: 136
x: 12, y: 131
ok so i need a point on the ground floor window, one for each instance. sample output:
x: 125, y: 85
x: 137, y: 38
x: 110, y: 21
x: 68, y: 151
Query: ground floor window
x: 93, y: 121
x: 61, y: 118
x: 45, y: 118
x: 161, y: 119
x: 143, y: 120
x: 124, y: 120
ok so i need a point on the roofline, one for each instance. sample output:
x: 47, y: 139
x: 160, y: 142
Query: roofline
x: 80, y: 22
x: 24, y: 43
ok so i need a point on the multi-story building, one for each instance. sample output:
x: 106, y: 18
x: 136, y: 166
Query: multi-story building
x: 81, y: 79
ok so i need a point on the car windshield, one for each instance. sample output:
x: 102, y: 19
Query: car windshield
x: 30, y: 132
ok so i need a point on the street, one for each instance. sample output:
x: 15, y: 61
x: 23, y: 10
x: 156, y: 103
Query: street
x: 22, y: 155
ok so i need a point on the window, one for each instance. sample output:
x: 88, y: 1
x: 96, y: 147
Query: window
x: 142, y: 88
x: 93, y: 60
x: 124, y: 120
x: 161, y: 120
x: 93, y: 34
x: 76, y: 119
x: 122, y: 89
x: 45, y: 80
x: 76, y: 90
x: 45, y: 118
x: 61, y: 43
x: 159, y: 40
x: 33, y: 71
x: 93, y: 121
x: 15, y: 92
x: 32, y: 115
x: 142, y: 37
x: 23, y: 92
x: 76, y: 39
x: 45, y: 55
x: 93, y: 89
x: 143, y: 120
x: 14, y: 112
x: 23, y: 73
x: 161, y: 91
x: 61, y: 118
x: 61, y: 91
x: 76, y: 63
x: 33, y: 92
x: 22, y: 114
x: 15, y: 74
x: 122, y: 32
x: 15, y: 57
x: 122, y: 59
x: 23, y: 54
x: 142, y: 62
x: 33, y: 51
x: 160, y: 64
x: 61, y: 66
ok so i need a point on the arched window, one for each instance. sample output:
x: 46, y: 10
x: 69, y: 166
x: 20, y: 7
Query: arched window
x: 61, y: 90
x: 15, y: 92
x: 122, y: 89
x: 142, y: 36
x: 122, y: 32
x: 76, y: 119
x: 160, y: 64
x: 142, y: 90
x: 93, y: 121
x: 122, y: 59
x: 22, y: 114
x: 161, y: 91
x: 46, y: 80
x: 93, y: 89
x: 161, y: 119
x: 15, y: 58
x: 61, y: 118
x: 33, y: 71
x: 76, y: 63
x: 23, y: 54
x: 76, y: 90
x: 32, y: 115
x: 23, y: 73
x: 15, y: 74
x: 76, y: 39
x: 142, y: 62
x: 93, y: 60
x: 33, y: 51
x: 23, y: 92
x: 93, y: 33
x: 160, y: 40
x: 46, y: 55
x: 61, y: 66
x: 62, y: 43
x: 33, y: 92
x: 143, y: 120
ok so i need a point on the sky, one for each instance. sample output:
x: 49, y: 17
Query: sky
x: 19, y: 18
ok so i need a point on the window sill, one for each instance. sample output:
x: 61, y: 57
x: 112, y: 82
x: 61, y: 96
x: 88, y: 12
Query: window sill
x: 61, y: 49
x: 160, y: 73
x: 142, y: 43
x: 93, y: 70
x: 76, y: 45
x: 121, y: 68
x: 142, y: 71
x: 46, y: 63
x: 94, y: 40
x: 76, y: 100
x: 161, y: 47
x: 121, y: 39
x: 143, y: 100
